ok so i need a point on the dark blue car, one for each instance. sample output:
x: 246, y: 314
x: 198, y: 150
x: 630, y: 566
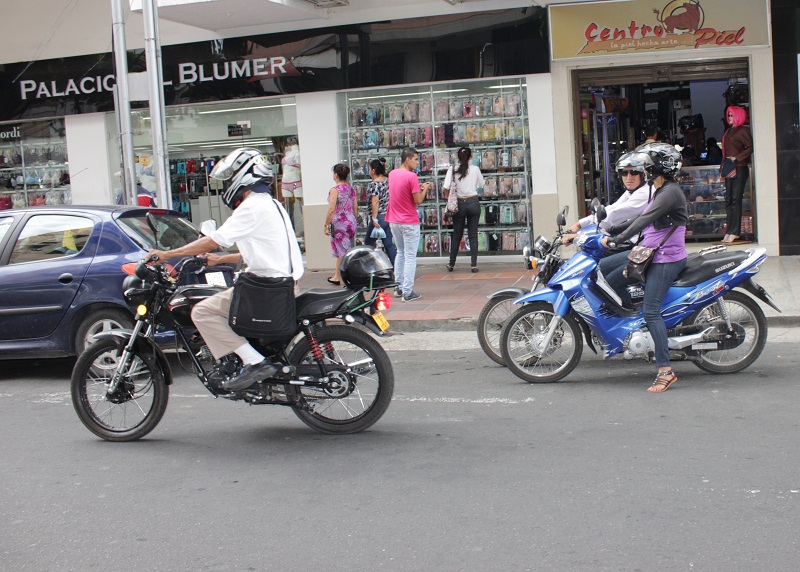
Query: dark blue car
x: 61, y: 272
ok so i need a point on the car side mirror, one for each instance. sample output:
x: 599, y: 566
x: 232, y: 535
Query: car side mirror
x: 208, y: 226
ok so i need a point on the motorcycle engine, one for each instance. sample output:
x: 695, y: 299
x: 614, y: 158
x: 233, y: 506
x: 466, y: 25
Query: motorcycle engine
x: 639, y: 345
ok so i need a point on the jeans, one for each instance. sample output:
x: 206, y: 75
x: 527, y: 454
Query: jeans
x: 406, y: 238
x: 388, y: 242
x: 612, y: 267
x: 659, y: 279
x: 469, y: 211
x: 734, y: 192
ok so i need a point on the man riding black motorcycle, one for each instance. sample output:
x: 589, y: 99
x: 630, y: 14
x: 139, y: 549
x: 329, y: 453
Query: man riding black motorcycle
x: 260, y: 229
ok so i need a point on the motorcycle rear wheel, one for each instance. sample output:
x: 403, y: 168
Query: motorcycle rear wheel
x: 745, y: 313
x: 136, y: 407
x: 491, y: 320
x: 520, y: 335
x: 365, y: 381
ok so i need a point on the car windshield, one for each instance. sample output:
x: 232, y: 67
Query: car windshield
x: 171, y: 231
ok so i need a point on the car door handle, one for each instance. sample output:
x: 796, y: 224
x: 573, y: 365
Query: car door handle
x: 65, y: 278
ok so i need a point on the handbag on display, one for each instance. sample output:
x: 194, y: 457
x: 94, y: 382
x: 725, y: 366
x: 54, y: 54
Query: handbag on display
x: 728, y: 168
x: 640, y: 259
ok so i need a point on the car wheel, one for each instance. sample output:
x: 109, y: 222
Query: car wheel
x: 100, y: 321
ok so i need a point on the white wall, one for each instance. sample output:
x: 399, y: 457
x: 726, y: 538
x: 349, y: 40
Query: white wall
x: 87, y: 151
x: 317, y: 132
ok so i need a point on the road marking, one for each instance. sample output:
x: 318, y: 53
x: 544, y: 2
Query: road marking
x: 480, y: 400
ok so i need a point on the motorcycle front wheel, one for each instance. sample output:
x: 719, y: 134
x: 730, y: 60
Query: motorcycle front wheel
x: 491, y: 320
x: 749, y: 325
x: 137, y: 405
x: 362, y: 381
x: 522, y: 341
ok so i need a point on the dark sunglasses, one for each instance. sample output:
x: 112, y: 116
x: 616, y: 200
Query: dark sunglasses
x: 626, y: 173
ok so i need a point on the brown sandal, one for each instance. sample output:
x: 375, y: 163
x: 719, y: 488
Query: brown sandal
x: 663, y: 381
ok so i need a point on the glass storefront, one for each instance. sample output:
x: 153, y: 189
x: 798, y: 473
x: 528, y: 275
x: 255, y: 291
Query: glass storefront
x: 488, y: 116
x: 198, y: 135
x: 34, y: 169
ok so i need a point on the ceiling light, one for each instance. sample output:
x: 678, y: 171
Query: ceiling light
x: 246, y: 108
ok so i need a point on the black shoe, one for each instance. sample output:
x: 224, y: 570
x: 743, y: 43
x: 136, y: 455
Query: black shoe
x: 334, y: 282
x: 249, y: 375
x: 450, y: 267
x: 411, y: 297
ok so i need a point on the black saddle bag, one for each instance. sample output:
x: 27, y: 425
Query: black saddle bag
x: 263, y: 308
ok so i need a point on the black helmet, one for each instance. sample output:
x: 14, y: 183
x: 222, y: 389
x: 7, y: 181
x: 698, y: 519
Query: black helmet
x: 241, y: 169
x: 365, y: 267
x: 666, y: 160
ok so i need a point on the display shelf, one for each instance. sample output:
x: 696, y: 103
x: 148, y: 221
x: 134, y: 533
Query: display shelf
x: 492, y: 123
x: 34, y: 170
x: 705, y: 197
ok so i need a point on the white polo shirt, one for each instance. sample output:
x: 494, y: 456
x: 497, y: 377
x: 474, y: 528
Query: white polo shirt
x: 260, y: 228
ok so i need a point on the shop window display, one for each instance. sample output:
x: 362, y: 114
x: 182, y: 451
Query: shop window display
x: 705, y: 197
x: 33, y: 166
x: 489, y: 118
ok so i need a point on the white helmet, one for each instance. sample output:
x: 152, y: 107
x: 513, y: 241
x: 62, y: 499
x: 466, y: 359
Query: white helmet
x: 241, y: 169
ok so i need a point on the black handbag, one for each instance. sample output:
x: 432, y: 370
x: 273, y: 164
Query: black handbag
x: 728, y: 168
x: 264, y: 307
x: 641, y: 257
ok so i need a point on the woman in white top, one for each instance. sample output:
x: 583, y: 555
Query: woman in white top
x: 466, y: 179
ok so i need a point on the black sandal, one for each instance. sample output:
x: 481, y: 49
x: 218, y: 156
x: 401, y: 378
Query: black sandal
x: 334, y: 282
x: 663, y: 381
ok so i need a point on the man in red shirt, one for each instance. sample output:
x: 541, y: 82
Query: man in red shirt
x: 405, y: 194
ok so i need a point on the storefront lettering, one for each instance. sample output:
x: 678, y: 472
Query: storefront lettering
x: 643, y: 37
x: 85, y: 85
x: 12, y: 133
x: 191, y: 72
x: 720, y: 38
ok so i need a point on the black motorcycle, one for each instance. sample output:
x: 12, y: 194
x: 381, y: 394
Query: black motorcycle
x: 336, y: 377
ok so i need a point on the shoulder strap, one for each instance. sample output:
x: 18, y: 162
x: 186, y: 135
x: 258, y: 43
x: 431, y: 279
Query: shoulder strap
x: 674, y: 228
x: 288, y: 235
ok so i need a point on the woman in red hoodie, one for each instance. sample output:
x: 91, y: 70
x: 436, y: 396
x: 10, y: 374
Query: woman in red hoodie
x: 737, y: 145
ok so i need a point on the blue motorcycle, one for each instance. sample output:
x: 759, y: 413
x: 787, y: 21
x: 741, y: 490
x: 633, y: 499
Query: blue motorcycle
x: 710, y: 320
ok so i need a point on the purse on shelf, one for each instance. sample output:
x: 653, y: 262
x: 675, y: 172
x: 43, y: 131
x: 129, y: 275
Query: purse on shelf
x: 641, y: 257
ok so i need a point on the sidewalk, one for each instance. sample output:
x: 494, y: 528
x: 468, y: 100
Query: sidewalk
x: 452, y: 301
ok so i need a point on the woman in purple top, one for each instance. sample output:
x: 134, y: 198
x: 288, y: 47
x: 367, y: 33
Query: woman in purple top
x: 665, y: 211
x: 340, y: 222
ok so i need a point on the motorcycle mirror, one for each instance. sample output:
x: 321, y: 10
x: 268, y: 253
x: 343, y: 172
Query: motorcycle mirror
x: 561, y: 219
x: 153, y: 224
x: 600, y: 212
x: 594, y: 204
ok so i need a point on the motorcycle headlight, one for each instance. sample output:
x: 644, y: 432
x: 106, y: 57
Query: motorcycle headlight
x: 542, y: 244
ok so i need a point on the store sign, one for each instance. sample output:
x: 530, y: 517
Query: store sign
x: 10, y: 133
x: 640, y: 26
x: 239, y: 129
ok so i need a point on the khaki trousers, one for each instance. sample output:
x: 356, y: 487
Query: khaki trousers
x: 211, y: 318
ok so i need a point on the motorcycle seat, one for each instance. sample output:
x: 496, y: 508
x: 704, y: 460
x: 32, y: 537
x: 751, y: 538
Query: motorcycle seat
x: 701, y: 267
x: 320, y: 301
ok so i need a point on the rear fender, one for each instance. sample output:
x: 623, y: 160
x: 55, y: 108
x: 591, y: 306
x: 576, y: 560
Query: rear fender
x: 759, y: 292
x: 143, y: 345
x: 555, y: 298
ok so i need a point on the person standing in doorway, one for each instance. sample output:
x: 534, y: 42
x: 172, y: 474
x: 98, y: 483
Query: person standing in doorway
x: 405, y: 193
x: 378, y: 192
x: 466, y: 179
x: 737, y: 145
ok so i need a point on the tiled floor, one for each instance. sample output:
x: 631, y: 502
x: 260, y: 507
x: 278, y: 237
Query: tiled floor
x: 456, y: 295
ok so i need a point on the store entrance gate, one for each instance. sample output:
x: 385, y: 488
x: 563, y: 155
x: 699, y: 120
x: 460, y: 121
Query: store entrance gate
x: 684, y: 103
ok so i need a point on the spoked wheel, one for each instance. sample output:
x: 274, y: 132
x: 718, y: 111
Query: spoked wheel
x: 360, y: 388
x: 750, y: 333
x: 523, y: 346
x: 137, y: 405
x: 491, y: 320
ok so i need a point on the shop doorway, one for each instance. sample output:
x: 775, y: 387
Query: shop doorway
x: 680, y: 103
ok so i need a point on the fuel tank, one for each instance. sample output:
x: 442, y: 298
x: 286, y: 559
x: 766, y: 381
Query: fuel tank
x: 183, y: 300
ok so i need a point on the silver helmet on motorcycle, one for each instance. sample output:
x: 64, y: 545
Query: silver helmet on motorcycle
x: 240, y: 170
x: 664, y: 159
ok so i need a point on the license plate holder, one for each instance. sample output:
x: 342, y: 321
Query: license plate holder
x: 381, y: 321
x: 215, y: 278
